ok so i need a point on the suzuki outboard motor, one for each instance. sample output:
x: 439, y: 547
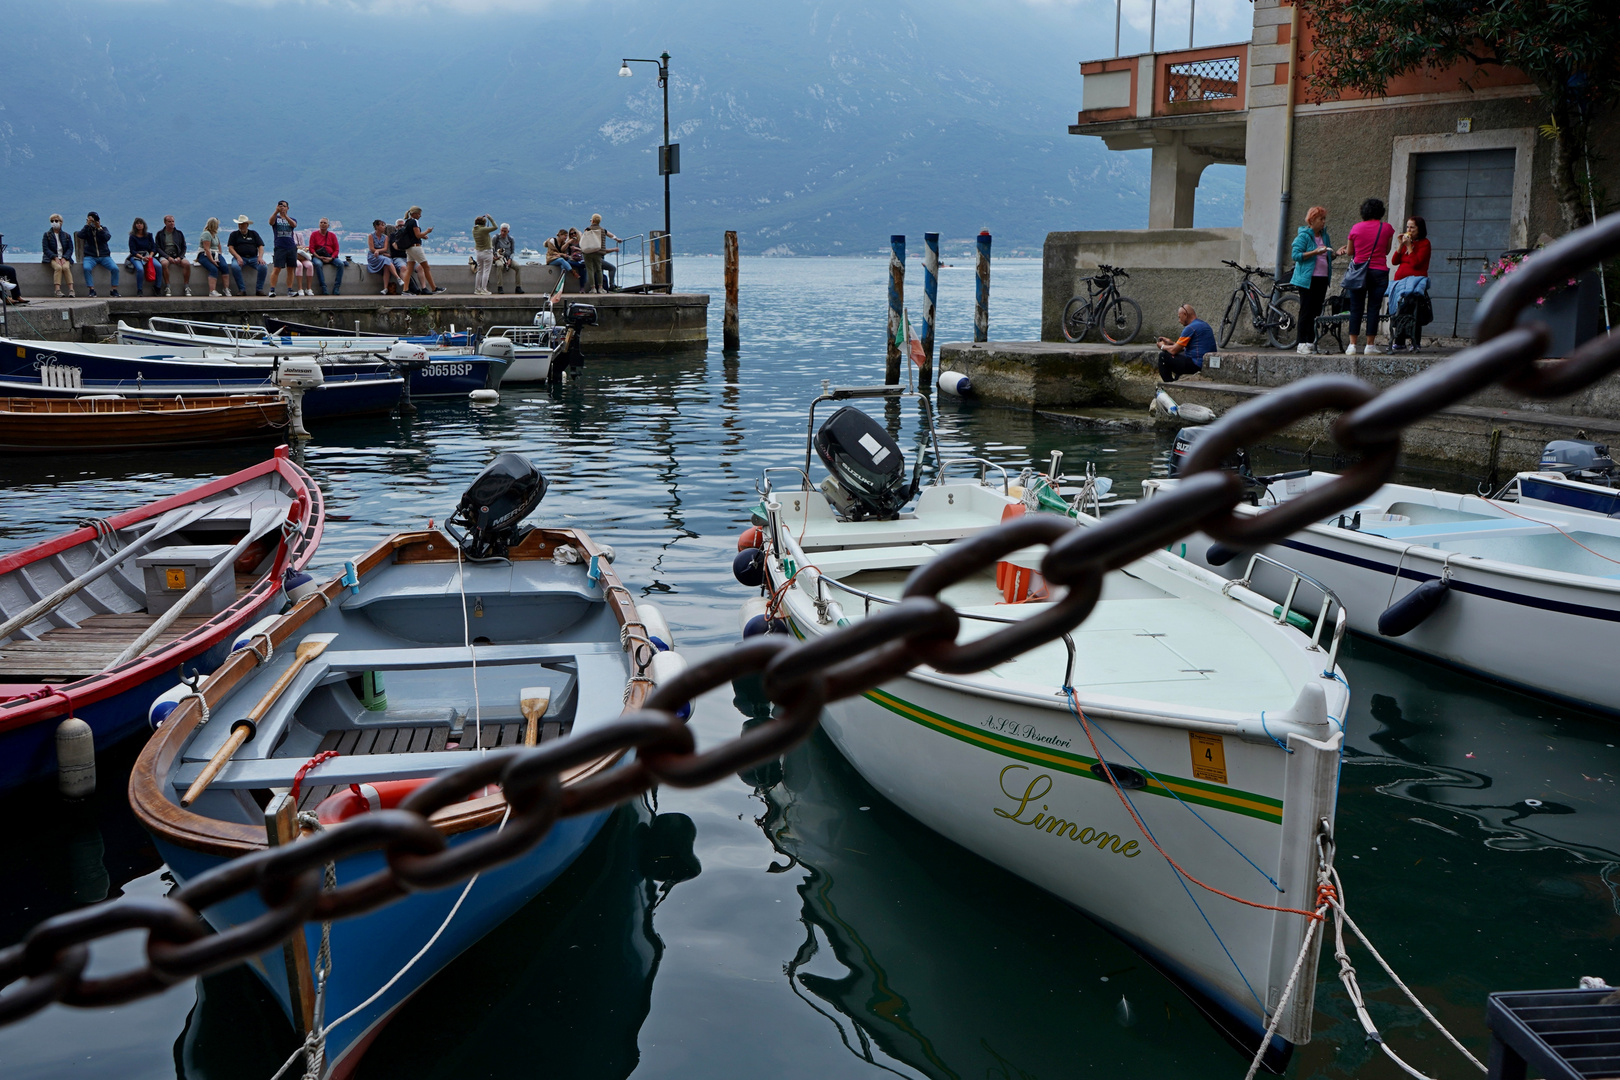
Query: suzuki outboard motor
x: 1578, y: 459
x: 868, y: 469
x: 494, y: 505
x: 1237, y: 461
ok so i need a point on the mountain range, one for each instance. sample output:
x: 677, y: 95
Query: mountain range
x: 810, y: 126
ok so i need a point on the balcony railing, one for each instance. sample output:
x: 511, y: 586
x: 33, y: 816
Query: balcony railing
x: 1202, y: 80
x: 1210, y: 79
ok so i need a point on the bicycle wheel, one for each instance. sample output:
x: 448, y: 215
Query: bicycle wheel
x: 1282, y: 324
x: 1077, y: 319
x: 1121, y: 321
x: 1234, y: 311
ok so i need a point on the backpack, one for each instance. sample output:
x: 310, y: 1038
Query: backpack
x: 591, y: 241
x: 406, y: 236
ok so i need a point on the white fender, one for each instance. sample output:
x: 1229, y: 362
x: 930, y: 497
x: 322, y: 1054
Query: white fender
x: 250, y: 636
x: 652, y: 617
x: 955, y: 383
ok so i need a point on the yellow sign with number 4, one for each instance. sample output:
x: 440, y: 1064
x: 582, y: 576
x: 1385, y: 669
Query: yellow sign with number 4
x: 1208, y: 757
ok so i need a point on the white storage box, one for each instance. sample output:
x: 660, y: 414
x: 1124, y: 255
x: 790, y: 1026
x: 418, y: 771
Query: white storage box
x: 171, y: 572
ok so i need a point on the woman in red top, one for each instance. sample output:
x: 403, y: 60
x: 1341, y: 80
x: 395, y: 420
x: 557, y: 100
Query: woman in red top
x: 1412, y: 251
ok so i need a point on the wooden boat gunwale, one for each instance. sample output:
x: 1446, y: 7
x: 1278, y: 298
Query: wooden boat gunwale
x: 165, y: 819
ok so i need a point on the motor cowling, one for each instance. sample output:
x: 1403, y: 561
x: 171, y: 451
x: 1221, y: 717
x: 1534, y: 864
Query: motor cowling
x: 299, y: 374
x: 501, y: 348
x: 866, y: 464
x: 1577, y: 459
x: 1237, y: 461
x: 407, y: 352
x: 494, y: 505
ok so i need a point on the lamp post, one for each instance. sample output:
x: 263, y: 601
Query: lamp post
x: 669, y: 156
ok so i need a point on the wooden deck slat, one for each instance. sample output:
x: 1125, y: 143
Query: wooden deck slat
x: 346, y: 744
x: 330, y: 741
x: 385, y: 741
x: 67, y: 653
x: 368, y: 740
x: 437, y: 737
x: 419, y: 738
x: 511, y: 734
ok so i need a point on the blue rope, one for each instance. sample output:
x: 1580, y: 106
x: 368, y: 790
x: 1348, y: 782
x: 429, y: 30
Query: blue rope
x: 1173, y: 795
x: 1270, y: 736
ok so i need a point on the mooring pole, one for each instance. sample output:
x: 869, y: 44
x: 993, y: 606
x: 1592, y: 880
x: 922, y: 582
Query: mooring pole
x: 930, y: 296
x: 897, y: 300
x: 729, y: 336
x: 660, y: 257
x: 981, y: 292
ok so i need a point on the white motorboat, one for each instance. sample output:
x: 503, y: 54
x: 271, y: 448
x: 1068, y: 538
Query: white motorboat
x: 1218, y: 717
x: 1524, y: 593
x: 1576, y: 475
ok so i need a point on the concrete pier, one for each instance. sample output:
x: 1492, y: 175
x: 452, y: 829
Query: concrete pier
x: 1043, y: 374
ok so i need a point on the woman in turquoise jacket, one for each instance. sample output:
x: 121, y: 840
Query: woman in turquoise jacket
x: 1313, y: 267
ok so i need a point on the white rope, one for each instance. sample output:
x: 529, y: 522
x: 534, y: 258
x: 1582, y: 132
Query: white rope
x: 1288, y: 990
x: 466, y: 639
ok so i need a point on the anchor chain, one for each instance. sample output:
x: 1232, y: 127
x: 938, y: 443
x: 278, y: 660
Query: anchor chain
x: 803, y: 677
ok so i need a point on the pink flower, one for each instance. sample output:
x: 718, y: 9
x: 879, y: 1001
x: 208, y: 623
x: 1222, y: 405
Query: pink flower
x: 1541, y: 300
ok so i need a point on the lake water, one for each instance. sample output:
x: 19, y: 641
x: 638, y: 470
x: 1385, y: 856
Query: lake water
x: 790, y: 923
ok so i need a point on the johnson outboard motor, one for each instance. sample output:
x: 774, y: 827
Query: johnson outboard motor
x: 1578, y: 459
x: 494, y: 505
x: 868, y: 470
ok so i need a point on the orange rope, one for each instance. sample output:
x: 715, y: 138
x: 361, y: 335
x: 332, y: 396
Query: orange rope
x: 1129, y: 809
x: 776, y: 597
x: 1550, y: 525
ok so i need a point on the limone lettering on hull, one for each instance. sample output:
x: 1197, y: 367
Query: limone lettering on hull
x: 1022, y: 811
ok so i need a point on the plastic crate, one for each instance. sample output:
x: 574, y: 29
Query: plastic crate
x: 1561, y: 1034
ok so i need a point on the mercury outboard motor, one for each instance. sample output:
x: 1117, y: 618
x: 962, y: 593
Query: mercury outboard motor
x: 868, y: 469
x: 494, y: 505
x: 1578, y: 459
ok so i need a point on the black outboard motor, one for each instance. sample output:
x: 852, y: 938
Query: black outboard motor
x: 494, y: 505
x: 868, y: 470
x: 1237, y: 461
x: 567, y: 356
x: 1578, y: 459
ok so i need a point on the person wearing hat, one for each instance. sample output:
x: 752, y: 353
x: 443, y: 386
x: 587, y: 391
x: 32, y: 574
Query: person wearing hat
x: 56, y: 251
x: 94, y: 241
x: 246, y: 246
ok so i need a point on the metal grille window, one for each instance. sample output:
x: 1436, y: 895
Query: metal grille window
x: 1202, y: 80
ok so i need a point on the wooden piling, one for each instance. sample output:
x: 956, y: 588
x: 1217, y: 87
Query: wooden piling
x: 660, y: 256
x: 729, y: 335
x: 981, y: 292
x: 897, y: 298
x: 930, y: 295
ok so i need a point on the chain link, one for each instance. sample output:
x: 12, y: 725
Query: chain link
x: 804, y: 677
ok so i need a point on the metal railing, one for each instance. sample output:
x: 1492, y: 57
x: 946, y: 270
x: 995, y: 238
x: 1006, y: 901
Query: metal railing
x: 1286, y: 606
x: 1202, y: 80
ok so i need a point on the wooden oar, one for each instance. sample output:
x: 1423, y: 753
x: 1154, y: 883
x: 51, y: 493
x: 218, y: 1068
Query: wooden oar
x: 534, y: 701
x: 171, y: 522
x: 263, y: 521
x: 241, y: 731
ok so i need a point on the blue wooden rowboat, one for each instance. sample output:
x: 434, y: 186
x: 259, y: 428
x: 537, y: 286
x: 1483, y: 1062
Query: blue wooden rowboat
x: 535, y: 619
x: 58, y: 664
x: 339, y: 397
x: 172, y: 367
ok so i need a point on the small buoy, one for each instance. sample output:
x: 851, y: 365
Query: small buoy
x: 759, y: 624
x: 1407, y: 613
x: 297, y: 585
x: 652, y: 617
x: 485, y: 397
x: 749, y: 567
x: 751, y: 537
x: 955, y: 383
x: 1220, y: 554
x: 251, y: 636
x: 165, y: 703
x: 75, y: 759
x: 1196, y: 414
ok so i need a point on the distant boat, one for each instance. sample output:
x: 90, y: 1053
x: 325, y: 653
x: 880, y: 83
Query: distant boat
x: 60, y: 662
x: 38, y: 425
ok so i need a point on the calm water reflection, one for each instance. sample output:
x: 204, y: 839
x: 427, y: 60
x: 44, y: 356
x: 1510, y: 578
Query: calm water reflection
x: 827, y: 934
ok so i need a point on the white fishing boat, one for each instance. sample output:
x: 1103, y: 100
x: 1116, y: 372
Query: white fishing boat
x: 1524, y: 593
x: 1217, y: 715
x: 1577, y: 475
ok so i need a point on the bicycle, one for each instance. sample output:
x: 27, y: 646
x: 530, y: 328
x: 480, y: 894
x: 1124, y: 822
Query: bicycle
x: 1118, y: 317
x: 1277, y: 313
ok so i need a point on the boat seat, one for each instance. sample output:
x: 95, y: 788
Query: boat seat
x: 414, y: 739
x: 453, y: 656
x: 1446, y: 530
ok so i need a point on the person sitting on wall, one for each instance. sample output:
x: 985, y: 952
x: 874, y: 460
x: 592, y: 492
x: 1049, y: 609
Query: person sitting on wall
x: 1185, y: 355
x: 506, y: 261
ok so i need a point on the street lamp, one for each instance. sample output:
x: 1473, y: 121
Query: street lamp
x: 669, y: 155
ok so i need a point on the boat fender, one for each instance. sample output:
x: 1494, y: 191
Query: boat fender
x: 357, y: 799
x: 1220, y: 554
x: 1021, y: 584
x: 297, y: 585
x: 1408, y: 613
x: 956, y: 384
x: 752, y: 537
x: 166, y: 702
x: 664, y: 667
x: 1012, y: 510
x: 750, y: 611
x: 749, y: 567
x: 75, y: 759
x: 652, y: 617
x: 484, y: 397
x: 351, y: 578
x: 253, y: 635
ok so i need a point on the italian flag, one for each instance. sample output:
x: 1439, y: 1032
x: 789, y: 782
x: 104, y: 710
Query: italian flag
x: 906, y: 340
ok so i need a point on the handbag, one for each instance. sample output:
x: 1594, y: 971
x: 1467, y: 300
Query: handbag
x: 151, y: 269
x: 1356, y: 276
x: 591, y: 242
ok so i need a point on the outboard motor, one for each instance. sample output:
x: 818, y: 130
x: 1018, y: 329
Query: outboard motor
x: 868, y: 470
x: 1237, y: 461
x: 1578, y: 459
x: 494, y: 505
x: 567, y: 356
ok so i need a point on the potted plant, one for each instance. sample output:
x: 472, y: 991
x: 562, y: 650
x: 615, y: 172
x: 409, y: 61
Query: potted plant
x: 1572, y: 310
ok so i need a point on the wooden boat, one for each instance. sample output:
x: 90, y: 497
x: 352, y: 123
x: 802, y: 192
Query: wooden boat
x: 38, y: 425
x: 1214, y: 711
x: 1527, y: 595
x: 61, y: 663
x: 537, y: 620
x: 339, y: 396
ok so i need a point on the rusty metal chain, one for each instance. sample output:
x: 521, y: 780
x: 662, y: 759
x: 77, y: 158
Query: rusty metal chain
x: 803, y: 677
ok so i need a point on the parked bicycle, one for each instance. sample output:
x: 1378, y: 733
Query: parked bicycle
x: 1276, y: 314
x: 1118, y: 317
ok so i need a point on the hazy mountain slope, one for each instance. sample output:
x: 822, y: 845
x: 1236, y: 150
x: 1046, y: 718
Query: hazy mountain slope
x: 816, y: 127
